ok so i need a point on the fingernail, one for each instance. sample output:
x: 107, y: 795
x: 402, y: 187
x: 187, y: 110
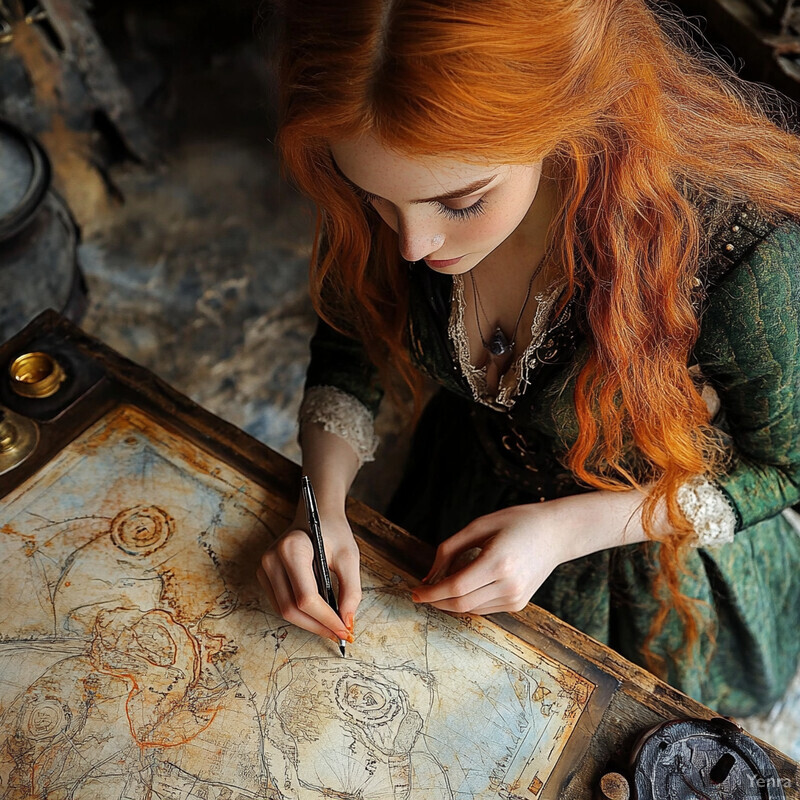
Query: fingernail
x: 350, y: 638
x: 415, y: 597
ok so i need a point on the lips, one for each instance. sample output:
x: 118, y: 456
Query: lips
x: 442, y: 264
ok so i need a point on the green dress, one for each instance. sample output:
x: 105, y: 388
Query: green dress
x: 468, y: 459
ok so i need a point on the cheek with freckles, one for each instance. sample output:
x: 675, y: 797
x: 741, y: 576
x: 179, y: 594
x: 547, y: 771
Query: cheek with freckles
x: 486, y: 232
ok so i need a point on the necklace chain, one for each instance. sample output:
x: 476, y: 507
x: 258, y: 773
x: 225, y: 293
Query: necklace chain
x: 499, y: 344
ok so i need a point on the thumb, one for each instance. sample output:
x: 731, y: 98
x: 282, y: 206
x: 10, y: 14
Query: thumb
x: 472, y: 536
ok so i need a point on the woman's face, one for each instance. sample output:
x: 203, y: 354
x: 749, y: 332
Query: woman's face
x: 450, y: 213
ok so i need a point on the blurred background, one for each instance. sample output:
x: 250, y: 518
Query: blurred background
x: 149, y: 206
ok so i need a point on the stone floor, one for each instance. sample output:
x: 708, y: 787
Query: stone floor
x: 200, y: 275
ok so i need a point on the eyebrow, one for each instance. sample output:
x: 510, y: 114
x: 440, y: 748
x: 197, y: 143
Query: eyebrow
x: 475, y: 186
x: 457, y: 193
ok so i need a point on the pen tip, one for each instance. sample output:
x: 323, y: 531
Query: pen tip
x: 341, y: 647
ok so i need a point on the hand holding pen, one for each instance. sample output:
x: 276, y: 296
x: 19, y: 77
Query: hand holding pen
x: 287, y: 575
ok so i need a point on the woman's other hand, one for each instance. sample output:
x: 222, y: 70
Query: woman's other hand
x: 286, y: 574
x: 521, y: 545
x: 519, y: 548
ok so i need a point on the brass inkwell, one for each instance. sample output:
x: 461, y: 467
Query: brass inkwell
x: 35, y: 375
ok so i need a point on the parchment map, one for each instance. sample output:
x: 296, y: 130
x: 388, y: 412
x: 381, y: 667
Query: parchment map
x: 139, y: 660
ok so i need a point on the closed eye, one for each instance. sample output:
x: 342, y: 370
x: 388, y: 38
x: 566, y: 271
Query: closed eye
x: 474, y: 210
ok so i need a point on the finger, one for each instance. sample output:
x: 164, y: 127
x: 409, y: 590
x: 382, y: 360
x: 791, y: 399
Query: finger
x: 472, y: 535
x: 484, y: 596
x: 289, y: 610
x: 459, y: 584
x: 348, y: 572
x: 298, y: 568
x: 275, y: 581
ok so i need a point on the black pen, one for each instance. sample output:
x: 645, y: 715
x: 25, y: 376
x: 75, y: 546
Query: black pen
x: 321, y: 571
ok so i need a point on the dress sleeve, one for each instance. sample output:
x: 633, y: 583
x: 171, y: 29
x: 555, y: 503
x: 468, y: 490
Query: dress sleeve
x: 748, y: 350
x: 342, y: 391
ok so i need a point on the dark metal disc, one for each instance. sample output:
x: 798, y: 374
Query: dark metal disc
x: 710, y: 759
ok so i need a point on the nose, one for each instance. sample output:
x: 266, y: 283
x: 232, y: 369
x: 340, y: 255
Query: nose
x: 418, y: 240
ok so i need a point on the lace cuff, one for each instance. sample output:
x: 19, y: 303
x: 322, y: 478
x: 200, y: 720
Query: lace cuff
x: 342, y: 414
x: 709, y: 511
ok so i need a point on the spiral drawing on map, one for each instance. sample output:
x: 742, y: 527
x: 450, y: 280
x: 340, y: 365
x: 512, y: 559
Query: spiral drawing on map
x: 141, y: 530
x: 368, y: 701
x: 44, y: 718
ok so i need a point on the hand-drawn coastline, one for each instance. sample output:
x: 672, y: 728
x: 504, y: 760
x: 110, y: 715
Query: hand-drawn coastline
x: 139, y: 659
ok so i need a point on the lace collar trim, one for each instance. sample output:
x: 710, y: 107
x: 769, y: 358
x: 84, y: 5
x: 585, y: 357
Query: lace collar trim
x: 515, y: 378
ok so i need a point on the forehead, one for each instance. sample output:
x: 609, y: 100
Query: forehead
x: 367, y: 163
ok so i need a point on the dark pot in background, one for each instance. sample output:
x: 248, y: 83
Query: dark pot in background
x: 38, y: 238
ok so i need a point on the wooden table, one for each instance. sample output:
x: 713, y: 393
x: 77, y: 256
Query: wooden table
x: 138, y: 654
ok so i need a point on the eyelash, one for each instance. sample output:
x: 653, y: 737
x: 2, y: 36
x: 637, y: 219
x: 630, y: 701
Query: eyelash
x: 476, y: 209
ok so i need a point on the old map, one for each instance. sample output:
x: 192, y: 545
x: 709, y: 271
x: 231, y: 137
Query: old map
x: 139, y: 660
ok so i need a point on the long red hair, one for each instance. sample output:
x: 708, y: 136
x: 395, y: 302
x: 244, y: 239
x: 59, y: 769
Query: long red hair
x: 642, y: 129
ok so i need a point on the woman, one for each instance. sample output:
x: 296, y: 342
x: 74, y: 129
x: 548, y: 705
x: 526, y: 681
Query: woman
x: 586, y: 234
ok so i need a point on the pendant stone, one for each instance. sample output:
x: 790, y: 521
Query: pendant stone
x: 499, y: 344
